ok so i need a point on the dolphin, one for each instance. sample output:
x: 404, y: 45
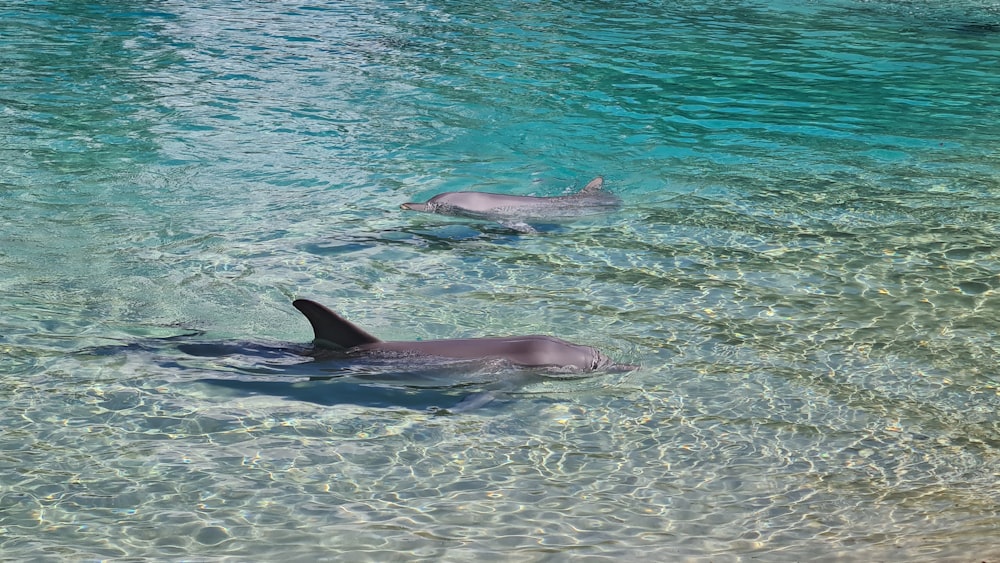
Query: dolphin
x: 371, y: 371
x: 333, y: 332
x: 512, y: 210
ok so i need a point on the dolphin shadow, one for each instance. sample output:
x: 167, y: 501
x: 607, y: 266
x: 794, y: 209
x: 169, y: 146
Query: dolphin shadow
x: 249, y: 368
x: 424, y: 383
x: 976, y: 28
x: 333, y: 392
x: 438, y: 385
x: 432, y: 233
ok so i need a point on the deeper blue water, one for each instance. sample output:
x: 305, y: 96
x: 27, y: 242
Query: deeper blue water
x: 806, y: 265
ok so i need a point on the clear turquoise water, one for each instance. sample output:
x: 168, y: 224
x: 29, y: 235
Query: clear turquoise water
x: 807, y: 266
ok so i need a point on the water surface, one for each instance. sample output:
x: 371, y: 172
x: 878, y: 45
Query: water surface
x: 806, y: 266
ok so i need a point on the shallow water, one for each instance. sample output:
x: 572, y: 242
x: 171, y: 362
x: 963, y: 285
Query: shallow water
x: 806, y: 266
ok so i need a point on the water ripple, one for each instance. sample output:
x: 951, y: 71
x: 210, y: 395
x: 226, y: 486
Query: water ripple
x: 806, y: 266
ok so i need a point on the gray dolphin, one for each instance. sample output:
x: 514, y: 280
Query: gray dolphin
x: 511, y: 210
x: 370, y: 368
x: 535, y: 351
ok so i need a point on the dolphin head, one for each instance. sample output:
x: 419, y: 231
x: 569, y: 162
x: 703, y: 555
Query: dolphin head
x: 600, y: 362
x: 414, y: 206
x: 440, y: 203
x: 579, y: 358
x: 448, y: 202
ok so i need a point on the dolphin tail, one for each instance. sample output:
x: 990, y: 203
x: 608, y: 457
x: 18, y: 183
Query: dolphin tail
x: 594, y: 186
x: 330, y: 329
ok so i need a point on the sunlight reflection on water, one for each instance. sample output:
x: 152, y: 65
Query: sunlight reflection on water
x: 805, y: 266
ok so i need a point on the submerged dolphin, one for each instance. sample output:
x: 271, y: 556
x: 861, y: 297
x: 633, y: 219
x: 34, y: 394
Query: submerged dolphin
x: 510, y: 209
x: 534, y: 351
x: 481, y: 369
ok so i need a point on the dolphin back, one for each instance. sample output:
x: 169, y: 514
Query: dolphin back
x: 330, y: 329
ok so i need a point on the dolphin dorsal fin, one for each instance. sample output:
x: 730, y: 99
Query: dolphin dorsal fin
x: 593, y: 186
x: 330, y: 328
